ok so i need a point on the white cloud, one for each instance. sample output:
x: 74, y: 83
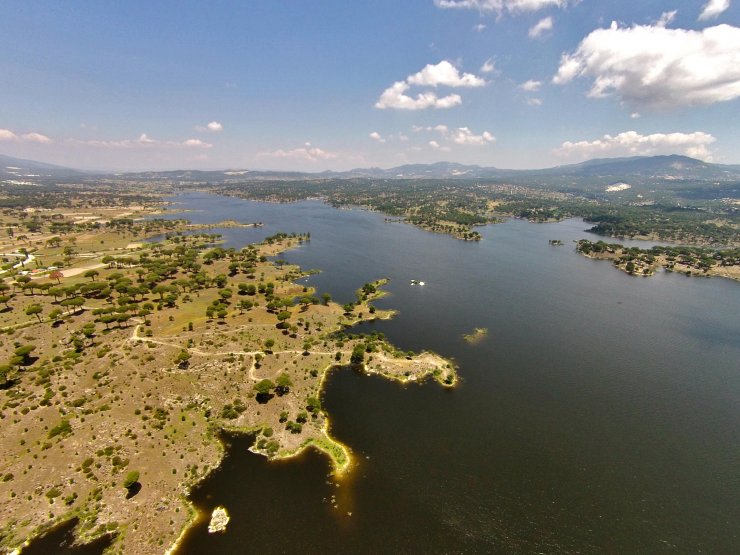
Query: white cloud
x: 459, y: 135
x: 499, y: 6
x: 713, y: 8
x: 144, y: 141
x: 432, y: 75
x: 531, y: 85
x: 464, y: 136
x: 666, y: 18
x: 306, y: 152
x: 377, y: 137
x: 534, y: 102
x: 444, y: 73
x: 542, y: 26
x: 635, y: 115
x: 402, y: 137
x: 436, y: 146
x: 197, y: 143
x: 36, y: 138
x: 8, y: 135
x: 489, y: 66
x: 658, y: 67
x: 632, y: 143
x: 395, y: 97
x: 479, y: 27
x: 212, y: 127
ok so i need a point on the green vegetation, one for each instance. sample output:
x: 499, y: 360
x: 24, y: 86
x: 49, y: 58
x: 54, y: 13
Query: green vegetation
x: 688, y: 260
x: 676, y: 211
x: 130, y: 479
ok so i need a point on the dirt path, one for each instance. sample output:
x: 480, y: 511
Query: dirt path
x: 77, y: 271
x: 192, y: 350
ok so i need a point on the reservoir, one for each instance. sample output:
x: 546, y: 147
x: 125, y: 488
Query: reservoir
x: 600, y: 413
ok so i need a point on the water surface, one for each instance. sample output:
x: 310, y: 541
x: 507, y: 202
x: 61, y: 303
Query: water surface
x: 599, y: 414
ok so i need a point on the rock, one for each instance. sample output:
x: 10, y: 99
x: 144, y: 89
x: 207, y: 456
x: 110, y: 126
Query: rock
x: 219, y: 519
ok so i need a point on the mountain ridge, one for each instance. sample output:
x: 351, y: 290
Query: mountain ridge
x: 672, y: 166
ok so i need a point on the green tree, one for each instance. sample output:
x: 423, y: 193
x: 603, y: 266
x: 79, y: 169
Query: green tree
x: 263, y: 389
x: 22, y: 355
x: 34, y: 310
x: 358, y: 354
x: 131, y: 479
x: 183, y: 359
x: 283, y: 384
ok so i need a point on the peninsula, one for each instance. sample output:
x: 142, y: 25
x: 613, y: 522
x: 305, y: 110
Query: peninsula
x: 123, y: 359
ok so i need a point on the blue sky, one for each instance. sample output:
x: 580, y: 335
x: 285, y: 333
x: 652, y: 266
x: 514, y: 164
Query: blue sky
x: 317, y: 85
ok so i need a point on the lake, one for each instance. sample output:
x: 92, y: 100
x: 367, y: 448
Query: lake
x: 601, y: 412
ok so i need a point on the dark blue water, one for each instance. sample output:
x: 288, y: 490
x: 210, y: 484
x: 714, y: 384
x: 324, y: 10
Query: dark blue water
x: 601, y: 413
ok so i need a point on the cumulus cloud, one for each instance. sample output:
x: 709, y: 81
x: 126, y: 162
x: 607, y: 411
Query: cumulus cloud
x: 713, y: 8
x: 632, y: 143
x: 212, y: 127
x: 432, y: 75
x: 307, y: 152
x: 658, y: 67
x: 395, y: 97
x: 542, y: 26
x: 444, y: 73
x: 464, y: 136
x: 459, y: 135
x: 500, y: 6
x: 8, y: 135
x: 377, y: 137
x: 531, y: 85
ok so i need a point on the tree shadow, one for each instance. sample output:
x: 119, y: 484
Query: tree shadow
x: 263, y: 398
x: 133, y: 489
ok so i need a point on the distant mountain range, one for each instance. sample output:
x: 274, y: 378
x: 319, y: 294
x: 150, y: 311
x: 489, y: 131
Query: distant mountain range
x: 28, y: 170
x: 671, y: 168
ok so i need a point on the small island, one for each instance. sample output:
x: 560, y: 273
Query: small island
x: 219, y: 520
x: 476, y: 336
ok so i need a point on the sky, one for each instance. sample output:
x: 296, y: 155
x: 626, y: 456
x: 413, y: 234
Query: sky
x: 314, y: 85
